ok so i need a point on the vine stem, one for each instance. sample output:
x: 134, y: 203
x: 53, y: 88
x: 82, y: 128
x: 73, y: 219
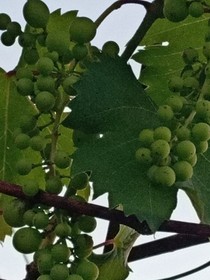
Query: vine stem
x: 116, y: 5
x: 72, y: 206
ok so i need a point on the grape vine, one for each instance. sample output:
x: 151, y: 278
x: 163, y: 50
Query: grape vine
x: 85, y: 125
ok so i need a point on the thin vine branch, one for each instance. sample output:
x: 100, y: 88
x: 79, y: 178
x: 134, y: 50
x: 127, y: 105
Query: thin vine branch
x: 118, y: 4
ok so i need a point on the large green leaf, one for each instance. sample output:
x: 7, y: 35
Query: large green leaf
x: 111, y: 102
x: 162, y: 62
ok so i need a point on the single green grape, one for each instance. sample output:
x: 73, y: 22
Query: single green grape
x: 190, y: 55
x: 27, y: 123
x: 143, y: 156
x: 79, y: 181
x: 23, y: 166
x: 4, y: 21
x: 14, y: 28
x: 175, y: 11
x: 59, y: 271
x: 45, y: 83
x: 82, y: 30
x: 88, y: 270
x: 58, y: 42
x: 206, y: 50
x: 75, y: 277
x: 30, y: 187
x: 175, y: 84
x: 189, y: 84
x: 24, y: 73
x: 63, y: 230
x: 23, y: 235
x: 44, y: 277
x: 31, y: 55
x: 163, y: 133
x: 22, y: 141
x: 87, y: 223
x: 28, y: 217
x: 165, y: 176
x: 45, y: 101
x: 40, y: 220
x: 7, y: 39
x: 45, y: 263
x: 193, y: 160
x: 79, y: 51
x: 54, y: 56
x: 183, y: 170
x: 175, y: 102
x: 68, y: 83
x: 26, y: 40
x: 111, y: 49
x: 25, y: 86
x: 160, y: 149
x: 83, y: 245
x: 45, y: 66
x: 196, y: 9
x: 54, y: 185
x: 13, y: 212
x: 183, y: 133
x: 201, y: 147
x: 185, y: 149
x: 37, y: 143
x: 165, y: 113
x: 146, y: 137
x: 201, y: 132
x: 62, y: 159
x: 36, y: 13
x: 60, y: 253
x: 202, y: 108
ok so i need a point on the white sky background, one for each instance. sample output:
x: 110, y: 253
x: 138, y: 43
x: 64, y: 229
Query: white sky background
x: 119, y: 27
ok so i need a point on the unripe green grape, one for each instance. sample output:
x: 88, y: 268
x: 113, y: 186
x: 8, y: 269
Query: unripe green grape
x: 26, y: 40
x: 27, y: 123
x: 82, y: 30
x: 37, y: 143
x: 45, y: 66
x: 13, y: 212
x: 31, y: 56
x: 175, y: 84
x: 83, y: 245
x: 45, y: 263
x: 185, y: 149
x: 75, y: 277
x: 190, y: 55
x: 88, y: 270
x: 24, y: 73
x: 54, y: 56
x: 190, y: 83
x: 67, y: 57
x: 175, y: 11
x: 58, y: 42
x: 30, y: 188
x: 54, y: 185
x: 60, y: 253
x: 146, y: 137
x: 160, y: 149
x: 4, y: 21
x: 41, y: 39
x: 23, y: 166
x: 87, y: 223
x: 163, y: 133
x: 28, y: 217
x: 175, y: 102
x: 151, y: 172
x: 62, y: 159
x: 202, y: 108
x: 165, y: 176
x: 63, y: 230
x: 79, y: 181
x: 23, y: 235
x: 193, y: 160
x: 7, y: 39
x: 111, y: 49
x: 196, y: 9
x: 165, y: 113
x: 201, y: 147
x: 44, y: 277
x: 206, y: 49
x: 201, y: 132
x: 68, y: 83
x: 45, y: 101
x: 183, y: 170
x: 59, y: 271
x: 79, y: 51
x: 22, y: 141
x: 143, y: 156
x: 25, y: 86
x: 14, y: 28
x: 46, y: 83
x: 40, y: 220
x: 183, y: 133
x: 36, y: 13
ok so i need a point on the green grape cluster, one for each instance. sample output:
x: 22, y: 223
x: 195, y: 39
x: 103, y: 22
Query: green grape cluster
x: 178, y: 10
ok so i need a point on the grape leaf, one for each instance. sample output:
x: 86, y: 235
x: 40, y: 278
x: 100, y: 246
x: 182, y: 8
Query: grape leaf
x: 161, y: 62
x: 112, y: 103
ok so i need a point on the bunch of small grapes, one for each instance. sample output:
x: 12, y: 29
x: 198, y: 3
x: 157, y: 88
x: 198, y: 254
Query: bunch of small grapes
x: 176, y: 11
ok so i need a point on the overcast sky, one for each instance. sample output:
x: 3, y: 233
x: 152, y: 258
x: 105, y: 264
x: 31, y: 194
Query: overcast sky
x: 119, y: 27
